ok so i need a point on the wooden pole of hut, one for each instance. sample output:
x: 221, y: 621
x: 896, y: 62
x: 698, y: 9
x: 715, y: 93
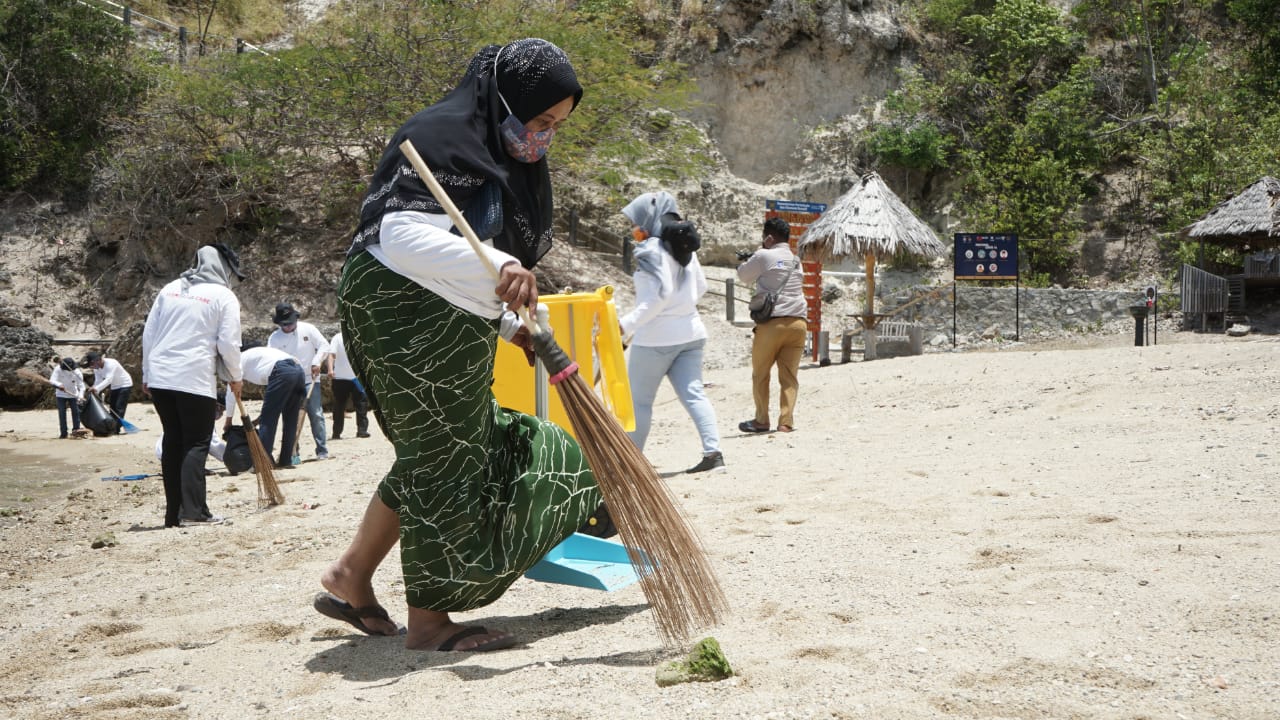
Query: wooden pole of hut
x: 869, y: 318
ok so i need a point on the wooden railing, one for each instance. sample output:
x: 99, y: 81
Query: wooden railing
x: 1262, y: 265
x: 594, y: 238
x: 172, y: 40
x: 1203, y: 293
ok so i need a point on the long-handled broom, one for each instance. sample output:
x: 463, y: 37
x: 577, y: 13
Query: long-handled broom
x: 268, y: 490
x: 302, y: 416
x: 674, y: 572
x: 30, y: 374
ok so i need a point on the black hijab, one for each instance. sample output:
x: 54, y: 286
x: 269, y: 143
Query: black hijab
x: 502, y: 198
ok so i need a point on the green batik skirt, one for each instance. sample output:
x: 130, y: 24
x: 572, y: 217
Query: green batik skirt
x: 482, y: 492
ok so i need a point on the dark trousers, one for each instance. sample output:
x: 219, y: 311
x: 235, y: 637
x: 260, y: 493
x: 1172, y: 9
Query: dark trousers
x: 342, y: 390
x: 187, y: 420
x: 63, y: 404
x: 118, y: 400
x: 286, y: 387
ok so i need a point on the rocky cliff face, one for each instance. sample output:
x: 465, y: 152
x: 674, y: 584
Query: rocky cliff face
x: 783, y: 68
x: 783, y: 87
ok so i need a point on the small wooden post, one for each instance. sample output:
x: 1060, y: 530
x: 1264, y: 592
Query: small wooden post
x: 869, y: 339
x: 728, y: 300
x: 869, y: 321
x: 182, y: 45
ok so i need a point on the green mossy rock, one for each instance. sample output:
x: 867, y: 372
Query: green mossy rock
x: 705, y: 663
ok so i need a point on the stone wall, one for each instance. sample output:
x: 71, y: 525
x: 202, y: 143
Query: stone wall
x: 997, y: 313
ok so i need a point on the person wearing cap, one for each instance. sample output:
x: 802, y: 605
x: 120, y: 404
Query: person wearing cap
x: 68, y: 392
x: 108, y: 373
x: 307, y: 345
x: 191, y: 340
x: 477, y: 494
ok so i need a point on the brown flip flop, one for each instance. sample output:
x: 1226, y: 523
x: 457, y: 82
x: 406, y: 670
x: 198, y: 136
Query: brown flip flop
x: 498, y: 643
x: 332, y: 606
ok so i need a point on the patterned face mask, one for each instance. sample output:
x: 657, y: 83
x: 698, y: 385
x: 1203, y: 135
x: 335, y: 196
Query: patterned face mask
x: 522, y: 143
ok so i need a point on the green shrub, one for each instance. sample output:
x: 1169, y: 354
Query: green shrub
x: 70, y: 72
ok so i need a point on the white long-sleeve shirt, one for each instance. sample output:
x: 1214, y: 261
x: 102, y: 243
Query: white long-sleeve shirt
x: 660, y: 320
x: 420, y: 247
x: 69, y: 383
x: 305, y: 344
x: 257, y: 364
x: 342, y: 369
x: 186, y: 333
x: 112, y: 374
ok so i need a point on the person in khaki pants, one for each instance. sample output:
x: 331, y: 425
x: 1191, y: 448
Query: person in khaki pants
x: 780, y: 339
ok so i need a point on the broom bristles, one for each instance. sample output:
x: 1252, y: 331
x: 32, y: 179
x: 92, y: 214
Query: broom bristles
x: 33, y: 375
x: 676, y: 577
x: 269, y: 492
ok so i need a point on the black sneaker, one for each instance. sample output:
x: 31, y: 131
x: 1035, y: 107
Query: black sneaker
x: 713, y: 463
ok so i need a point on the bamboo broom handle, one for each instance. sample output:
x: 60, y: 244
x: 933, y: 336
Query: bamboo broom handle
x: 442, y: 197
x: 244, y: 415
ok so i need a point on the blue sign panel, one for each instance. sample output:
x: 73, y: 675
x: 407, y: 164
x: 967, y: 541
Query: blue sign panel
x: 982, y: 256
x: 792, y: 206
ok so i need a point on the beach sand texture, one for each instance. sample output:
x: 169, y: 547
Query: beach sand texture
x: 1058, y: 532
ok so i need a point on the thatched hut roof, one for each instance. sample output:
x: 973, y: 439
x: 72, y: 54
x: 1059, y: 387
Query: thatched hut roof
x: 1252, y: 216
x: 869, y: 219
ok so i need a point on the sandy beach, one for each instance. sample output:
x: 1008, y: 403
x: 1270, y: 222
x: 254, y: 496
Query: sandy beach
x: 1044, y: 532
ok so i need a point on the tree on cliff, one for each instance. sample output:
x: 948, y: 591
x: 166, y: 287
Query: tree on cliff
x: 66, y: 69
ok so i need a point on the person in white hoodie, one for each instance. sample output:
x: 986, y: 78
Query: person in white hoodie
x: 667, y: 334
x: 191, y: 338
x: 69, y: 384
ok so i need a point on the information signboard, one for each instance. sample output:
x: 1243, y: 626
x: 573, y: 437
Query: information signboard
x: 986, y: 256
x: 799, y: 215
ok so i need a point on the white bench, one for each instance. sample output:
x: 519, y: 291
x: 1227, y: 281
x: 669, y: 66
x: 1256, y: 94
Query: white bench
x: 890, y: 337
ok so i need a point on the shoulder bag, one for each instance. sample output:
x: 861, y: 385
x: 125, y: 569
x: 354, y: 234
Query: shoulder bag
x: 761, y: 306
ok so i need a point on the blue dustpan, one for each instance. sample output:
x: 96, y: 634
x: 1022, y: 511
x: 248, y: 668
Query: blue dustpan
x: 586, y: 561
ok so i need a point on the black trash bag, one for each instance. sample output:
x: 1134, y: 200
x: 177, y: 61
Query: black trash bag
x: 599, y: 524
x: 95, y: 416
x: 237, y: 457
